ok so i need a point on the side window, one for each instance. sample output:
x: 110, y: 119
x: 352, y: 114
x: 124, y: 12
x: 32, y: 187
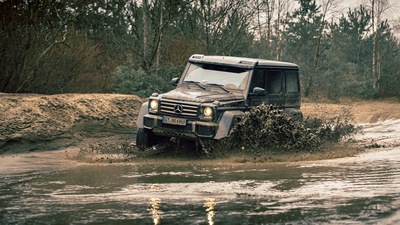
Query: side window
x: 292, y: 85
x: 274, y: 82
x: 258, y: 79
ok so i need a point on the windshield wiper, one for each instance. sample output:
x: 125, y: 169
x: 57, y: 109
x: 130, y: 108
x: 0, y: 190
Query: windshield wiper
x: 220, y: 86
x: 196, y: 83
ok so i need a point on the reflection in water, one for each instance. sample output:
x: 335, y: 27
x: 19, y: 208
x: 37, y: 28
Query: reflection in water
x: 210, y: 205
x: 155, y: 210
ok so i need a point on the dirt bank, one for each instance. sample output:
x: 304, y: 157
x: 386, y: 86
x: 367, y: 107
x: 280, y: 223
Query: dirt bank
x: 367, y: 111
x: 30, y: 122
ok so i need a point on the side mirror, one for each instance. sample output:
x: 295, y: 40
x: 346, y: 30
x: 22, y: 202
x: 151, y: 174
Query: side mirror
x: 175, y: 81
x: 257, y: 91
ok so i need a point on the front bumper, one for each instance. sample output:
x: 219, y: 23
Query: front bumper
x: 192, y: 129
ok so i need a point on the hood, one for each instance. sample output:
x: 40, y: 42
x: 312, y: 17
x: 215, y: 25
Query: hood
x: 201, y: 96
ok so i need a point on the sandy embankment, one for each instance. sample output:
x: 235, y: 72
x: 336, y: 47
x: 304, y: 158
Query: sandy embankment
x: 30, y: 122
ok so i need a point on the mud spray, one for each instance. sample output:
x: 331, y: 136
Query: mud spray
x: 264, y: 130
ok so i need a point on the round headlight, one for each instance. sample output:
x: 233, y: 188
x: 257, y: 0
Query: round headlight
x: 154, y: 104
x: 208, y: 111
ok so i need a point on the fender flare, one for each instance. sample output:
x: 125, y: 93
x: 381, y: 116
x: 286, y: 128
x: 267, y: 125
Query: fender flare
x: 226, y: 123
x: 144, y: 109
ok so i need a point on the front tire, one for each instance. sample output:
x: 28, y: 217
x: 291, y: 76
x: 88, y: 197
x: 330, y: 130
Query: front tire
x: 144, y: 139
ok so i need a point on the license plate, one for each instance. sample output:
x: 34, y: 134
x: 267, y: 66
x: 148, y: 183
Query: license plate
x: 174, y: 121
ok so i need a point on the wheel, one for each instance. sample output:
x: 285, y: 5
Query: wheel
x: 144, y: 139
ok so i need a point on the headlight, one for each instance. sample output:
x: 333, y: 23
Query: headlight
x: 208, y: 111
x: 154, y: 105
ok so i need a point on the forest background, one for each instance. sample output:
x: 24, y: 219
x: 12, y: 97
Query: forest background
x: 136, y: 47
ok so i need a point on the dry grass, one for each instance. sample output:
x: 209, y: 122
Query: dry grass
x: 362, y: 111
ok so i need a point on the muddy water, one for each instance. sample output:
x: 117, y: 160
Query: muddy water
x: 363, y: 189
x: 43, y: 188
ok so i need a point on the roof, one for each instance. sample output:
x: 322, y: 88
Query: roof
x: 240, y: 61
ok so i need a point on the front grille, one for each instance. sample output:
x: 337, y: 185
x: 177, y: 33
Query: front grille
x: 187, y: 109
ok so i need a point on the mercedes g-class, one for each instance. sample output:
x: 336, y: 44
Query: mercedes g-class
x: 212, y: 93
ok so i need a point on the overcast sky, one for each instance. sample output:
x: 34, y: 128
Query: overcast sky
x: 392, y: 13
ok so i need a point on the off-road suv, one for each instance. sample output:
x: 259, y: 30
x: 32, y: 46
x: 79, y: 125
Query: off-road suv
x: 212, y: 93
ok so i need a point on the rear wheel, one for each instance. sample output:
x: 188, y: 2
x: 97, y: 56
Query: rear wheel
x: 145, y: 138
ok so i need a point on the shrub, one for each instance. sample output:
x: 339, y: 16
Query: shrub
x: 139, y: 82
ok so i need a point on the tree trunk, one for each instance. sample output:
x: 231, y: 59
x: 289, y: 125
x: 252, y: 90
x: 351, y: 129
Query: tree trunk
x: 282, y: 4
x: 160, y: 33
x: 373, y: 69
x: 145, y: 33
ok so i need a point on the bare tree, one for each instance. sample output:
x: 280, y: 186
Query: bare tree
x: 283, y: 6
x: 145, y: 30
x: 378, y: 7
x: 57, y: 37
x: 268, y: 25
x: 147, y: 21
x: 265, y: 16
x: 326, y: 6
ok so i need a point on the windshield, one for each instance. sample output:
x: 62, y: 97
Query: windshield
x: 227, y: 76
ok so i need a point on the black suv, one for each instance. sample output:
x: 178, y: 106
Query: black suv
x: 212, y: 93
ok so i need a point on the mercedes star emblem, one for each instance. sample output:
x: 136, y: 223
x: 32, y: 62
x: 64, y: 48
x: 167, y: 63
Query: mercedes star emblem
x: 178, y: 109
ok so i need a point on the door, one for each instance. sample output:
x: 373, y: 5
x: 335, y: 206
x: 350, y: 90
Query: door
x: 257, y: 80
x: 275, y: 88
